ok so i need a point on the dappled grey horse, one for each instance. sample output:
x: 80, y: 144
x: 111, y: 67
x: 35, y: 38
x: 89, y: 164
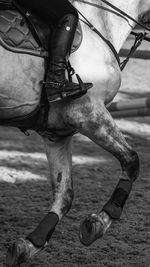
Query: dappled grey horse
x: 20, y: 94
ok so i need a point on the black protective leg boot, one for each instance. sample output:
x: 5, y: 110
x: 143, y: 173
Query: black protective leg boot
x: 57, y: 86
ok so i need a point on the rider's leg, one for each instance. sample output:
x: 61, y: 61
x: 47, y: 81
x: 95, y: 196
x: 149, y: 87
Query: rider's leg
x: 49, y: 10
x: 57, y: 86
x: 65, y: 19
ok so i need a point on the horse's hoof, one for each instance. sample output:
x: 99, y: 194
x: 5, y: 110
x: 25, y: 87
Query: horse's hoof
x: 93, y: 228
x: 20, y: 252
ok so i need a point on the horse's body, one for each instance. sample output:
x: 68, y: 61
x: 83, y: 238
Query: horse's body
x: 20, y: 92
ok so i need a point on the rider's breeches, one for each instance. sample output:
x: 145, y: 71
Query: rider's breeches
x: 51, y: 11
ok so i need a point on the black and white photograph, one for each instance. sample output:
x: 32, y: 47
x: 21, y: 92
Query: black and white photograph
x: 74, y: 133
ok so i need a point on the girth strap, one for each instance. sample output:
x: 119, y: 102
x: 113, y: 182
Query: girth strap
x: 36, y: 120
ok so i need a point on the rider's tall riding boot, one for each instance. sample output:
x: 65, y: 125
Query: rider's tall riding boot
x: 57, y: 86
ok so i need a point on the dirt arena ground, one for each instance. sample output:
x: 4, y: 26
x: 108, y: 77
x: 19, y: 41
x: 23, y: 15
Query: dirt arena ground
x: 25, y: 191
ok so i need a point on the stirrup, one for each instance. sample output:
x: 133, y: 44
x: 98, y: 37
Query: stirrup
x: 61, y: 92
x: 81, y: 84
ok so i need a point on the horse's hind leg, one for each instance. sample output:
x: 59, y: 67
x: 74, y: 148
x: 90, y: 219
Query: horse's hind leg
x: 95, y: 122
x: 60, y: 159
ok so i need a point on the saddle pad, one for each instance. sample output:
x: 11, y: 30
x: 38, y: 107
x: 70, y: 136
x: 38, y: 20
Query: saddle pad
x: 15, y: 35
x: 14, y: 32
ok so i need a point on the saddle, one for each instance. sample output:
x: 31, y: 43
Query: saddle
x: 23, y: 32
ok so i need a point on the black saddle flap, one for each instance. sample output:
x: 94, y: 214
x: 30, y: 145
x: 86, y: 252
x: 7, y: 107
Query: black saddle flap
x: 39, y: 29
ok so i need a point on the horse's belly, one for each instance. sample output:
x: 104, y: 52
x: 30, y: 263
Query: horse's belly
x: 20, y: 86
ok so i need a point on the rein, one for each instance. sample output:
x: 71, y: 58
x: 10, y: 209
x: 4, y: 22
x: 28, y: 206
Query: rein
x: 139, y: 37
x: 125, y: 14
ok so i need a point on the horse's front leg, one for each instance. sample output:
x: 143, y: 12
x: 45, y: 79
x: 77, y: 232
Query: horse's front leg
x: 60, y: 159
x: 93, y: 120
